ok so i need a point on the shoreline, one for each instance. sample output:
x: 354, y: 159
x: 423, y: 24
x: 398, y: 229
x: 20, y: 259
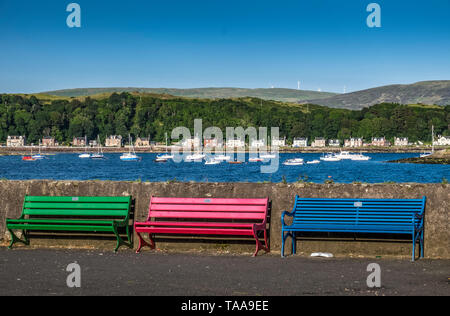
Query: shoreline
x: 26, y: 150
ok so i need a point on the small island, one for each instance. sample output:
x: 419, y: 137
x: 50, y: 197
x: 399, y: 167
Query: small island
x: 441, y: 157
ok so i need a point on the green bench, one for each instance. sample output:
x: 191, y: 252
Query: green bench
x: 69, y: 214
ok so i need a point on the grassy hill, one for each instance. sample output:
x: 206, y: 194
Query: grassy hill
x: 277, y: 94
x: 425, y: 92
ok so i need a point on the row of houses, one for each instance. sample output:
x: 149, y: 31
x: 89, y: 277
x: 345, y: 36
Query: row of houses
x: 195, y: 142
x: 48, y: 141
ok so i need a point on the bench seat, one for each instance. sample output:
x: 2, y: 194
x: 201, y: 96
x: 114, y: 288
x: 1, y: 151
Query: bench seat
x: 83, y: 214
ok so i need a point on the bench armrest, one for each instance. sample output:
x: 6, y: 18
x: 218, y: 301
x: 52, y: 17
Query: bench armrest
x: 285, y: 213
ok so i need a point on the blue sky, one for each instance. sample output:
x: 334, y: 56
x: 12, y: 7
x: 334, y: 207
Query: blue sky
x: 325, y: 44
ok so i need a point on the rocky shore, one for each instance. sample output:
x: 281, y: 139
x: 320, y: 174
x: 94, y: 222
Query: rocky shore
x: 441, y: 157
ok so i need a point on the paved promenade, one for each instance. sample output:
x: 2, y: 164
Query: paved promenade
x: 43, y: 272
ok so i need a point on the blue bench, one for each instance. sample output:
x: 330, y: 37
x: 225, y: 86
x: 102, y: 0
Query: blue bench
x: 379, y: 216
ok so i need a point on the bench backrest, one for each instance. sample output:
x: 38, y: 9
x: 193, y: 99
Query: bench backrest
x: 357, y: 211
x: 208, y: 208
x: 77, y: 206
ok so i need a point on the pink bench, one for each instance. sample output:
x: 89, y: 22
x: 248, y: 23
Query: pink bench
x: 198, y: 216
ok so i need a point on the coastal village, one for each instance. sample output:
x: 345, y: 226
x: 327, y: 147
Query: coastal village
x: 117, y: 141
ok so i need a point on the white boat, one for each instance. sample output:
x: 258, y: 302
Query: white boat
x: 165, y: 156
x: 195, y: 157
x: 38, y: 156
x: 432, y: 145
x: 222, y: 158
x: 99, y: 155
x: 360, y: 157
x: 312, y: 162
x: 255, y: 159
x: 85, y: 154
x: 268, y: 156
x: 294, y: 162
x: 344, y: 155
x: 131, y: 155
x: 330, y: 157
x: 212, y: 162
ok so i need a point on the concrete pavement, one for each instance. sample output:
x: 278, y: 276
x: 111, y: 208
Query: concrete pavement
x: 43, y: 272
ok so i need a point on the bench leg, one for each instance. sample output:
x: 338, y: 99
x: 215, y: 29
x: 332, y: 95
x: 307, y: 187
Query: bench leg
x: 284, y: 236
x: 294, y: 244
x: 15, y: 239
x: 421, y: 244
x: 258, y: 243
x: 143, y: 243
x: 120, y: 241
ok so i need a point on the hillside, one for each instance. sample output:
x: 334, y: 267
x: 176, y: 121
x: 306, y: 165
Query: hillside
x: 277, y: 94
x: 425, y: 92
x: 153, y: 115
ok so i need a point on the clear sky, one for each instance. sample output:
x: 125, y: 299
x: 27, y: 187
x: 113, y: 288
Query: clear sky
x: 326, y: 44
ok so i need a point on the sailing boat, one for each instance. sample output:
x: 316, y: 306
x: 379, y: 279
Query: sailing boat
x: 269, y: 154
x: 165, y: 156
x: 38, y: 156
x: 99, y: 154
x: 85, y: 154
x: 130, y: 156
x: 432, y: 144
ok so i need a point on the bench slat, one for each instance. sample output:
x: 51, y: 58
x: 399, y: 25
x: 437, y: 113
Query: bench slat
x: 92, y: 199
x: 208, y: 201
x: 66, y: 212
x: 195, y: 231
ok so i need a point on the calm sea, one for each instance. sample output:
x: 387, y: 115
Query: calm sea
x: 70, y: 167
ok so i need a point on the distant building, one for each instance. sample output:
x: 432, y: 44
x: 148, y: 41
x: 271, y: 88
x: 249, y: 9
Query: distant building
x: 15, y: 141
x: 142, y: 142
x: 113, y: 141
x: 353, y: 142
x: 334, y: 143
x: 257, y: 143
x: 300, y: 142
x: 49, y: 141
x: 79, y: 142
x: 235, y: 143
x: 211, y: 143
x: 380, y: 142
x: 193, y: 142
x: 442, y: 141
x: 401, y: 141
x: 319, y: 142
x: 279, y: 142
x: 93, y: 143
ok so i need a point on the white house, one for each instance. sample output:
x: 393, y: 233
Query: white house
x: 401, y: 141
x: 257, y: 143
x: 193, y: 142
x: 15, y: 141
x: 279, y: 142
x: 235, y: 143
x: 319, y: 142
x: 442, y: 141
x: 353, y: 142
x: 300, y: 142
x: 334, y: 143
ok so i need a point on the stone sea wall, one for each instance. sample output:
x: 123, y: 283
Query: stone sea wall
x: 437, y: 231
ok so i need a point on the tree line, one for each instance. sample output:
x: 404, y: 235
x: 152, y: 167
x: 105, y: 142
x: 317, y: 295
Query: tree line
x: 152, y: 116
